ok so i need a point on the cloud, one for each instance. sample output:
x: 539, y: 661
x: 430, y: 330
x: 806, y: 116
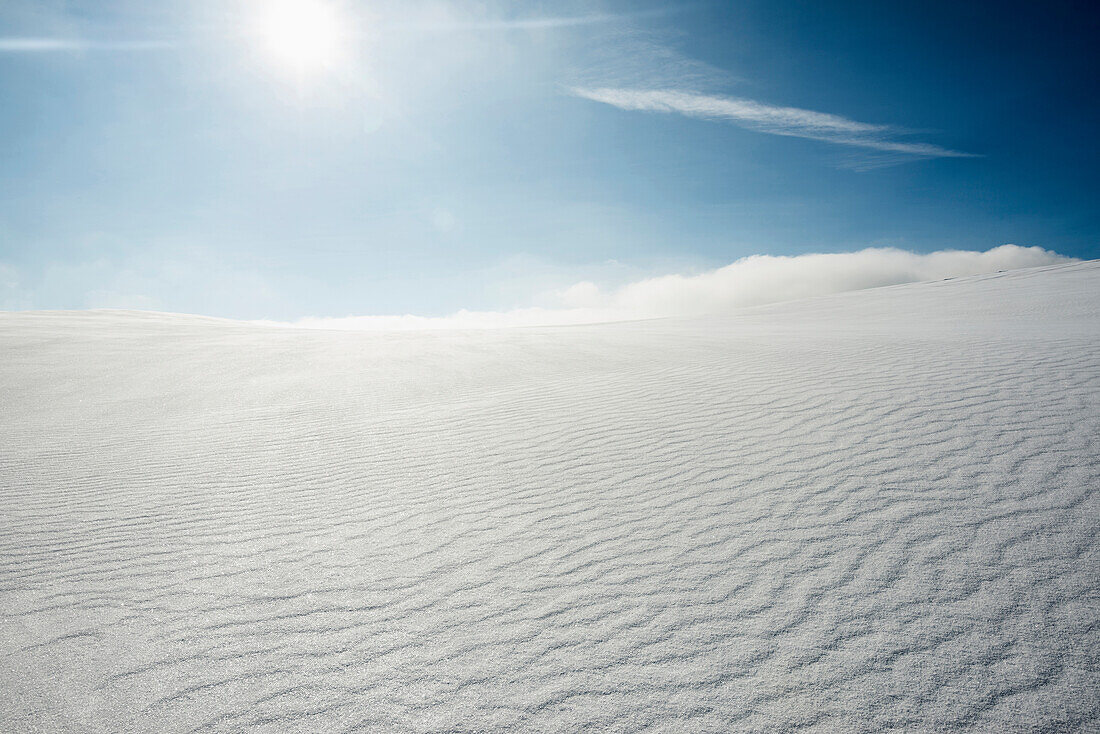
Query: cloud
x: 628, y: 57
x: 32, y: 45
x: 750, y: 281
x: 790, y: 121
x: 446, y: 22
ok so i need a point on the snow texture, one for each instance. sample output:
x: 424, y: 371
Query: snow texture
x: 864, y: 512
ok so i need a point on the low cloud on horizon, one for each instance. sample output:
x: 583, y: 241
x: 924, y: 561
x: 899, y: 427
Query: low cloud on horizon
x: 749, y: 281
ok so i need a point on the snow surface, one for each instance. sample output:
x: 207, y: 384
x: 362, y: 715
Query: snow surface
x: 871, y: 511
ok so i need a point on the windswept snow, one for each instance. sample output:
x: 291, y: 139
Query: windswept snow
x: 865, y: 512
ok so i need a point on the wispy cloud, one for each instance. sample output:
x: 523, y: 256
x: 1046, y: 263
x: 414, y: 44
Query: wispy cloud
x: 38, y: 45
x: 766, y: 118
x: 751, y: 281
x: 451, y: 24
x: 629, y: 56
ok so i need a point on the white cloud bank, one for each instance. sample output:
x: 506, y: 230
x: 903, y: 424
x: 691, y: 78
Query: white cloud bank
x: 751, y: 281
x: 789, y: 121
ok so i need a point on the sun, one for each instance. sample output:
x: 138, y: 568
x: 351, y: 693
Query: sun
x: 302, y: 35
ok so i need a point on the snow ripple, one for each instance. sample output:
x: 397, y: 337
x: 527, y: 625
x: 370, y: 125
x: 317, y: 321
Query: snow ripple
x: 869, y: 512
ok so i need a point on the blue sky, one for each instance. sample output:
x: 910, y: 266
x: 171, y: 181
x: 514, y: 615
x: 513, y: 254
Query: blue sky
x: 476, y: 155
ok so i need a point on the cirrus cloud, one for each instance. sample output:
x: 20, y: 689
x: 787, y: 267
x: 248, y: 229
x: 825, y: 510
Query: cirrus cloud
x: 766, y: 118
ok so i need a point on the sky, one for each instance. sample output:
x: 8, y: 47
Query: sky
x: 285, y: 159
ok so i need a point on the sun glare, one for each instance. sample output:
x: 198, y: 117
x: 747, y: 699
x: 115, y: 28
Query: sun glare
x: 303, y: 35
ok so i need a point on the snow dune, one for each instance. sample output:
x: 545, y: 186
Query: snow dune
x: 865, y: 512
